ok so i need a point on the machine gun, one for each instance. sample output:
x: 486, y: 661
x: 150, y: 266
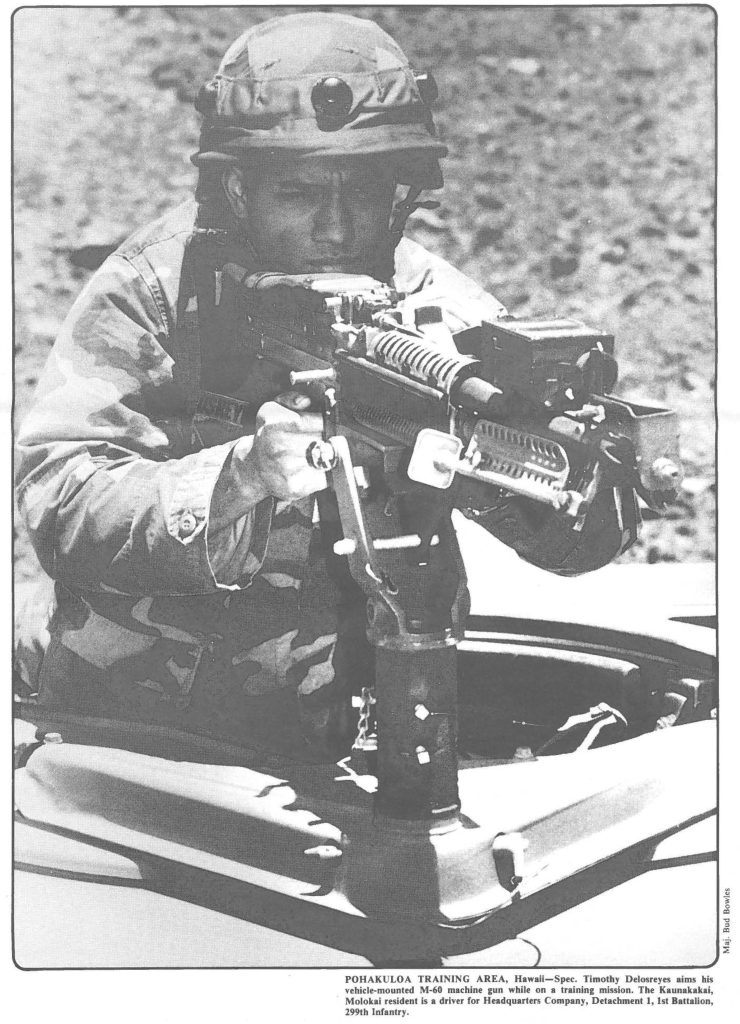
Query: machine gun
x: 517, y: 405
x: 424, y: 421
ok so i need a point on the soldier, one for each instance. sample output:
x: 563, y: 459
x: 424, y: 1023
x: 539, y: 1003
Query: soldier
x: 192, y: 595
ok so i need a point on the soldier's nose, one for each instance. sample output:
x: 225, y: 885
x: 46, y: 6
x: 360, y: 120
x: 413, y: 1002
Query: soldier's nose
x: 333, y: 219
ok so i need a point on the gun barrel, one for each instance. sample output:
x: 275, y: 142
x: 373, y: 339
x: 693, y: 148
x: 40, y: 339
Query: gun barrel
x: 473, y: 394
x: 666, y: 472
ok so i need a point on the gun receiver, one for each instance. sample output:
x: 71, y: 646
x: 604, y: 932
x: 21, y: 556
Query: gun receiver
x: 517, y: 406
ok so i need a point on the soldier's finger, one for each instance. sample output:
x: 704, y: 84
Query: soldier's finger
x: 316, y: 481
x: 307, y: 423
x: 294, y: 400
x: 274, y: 412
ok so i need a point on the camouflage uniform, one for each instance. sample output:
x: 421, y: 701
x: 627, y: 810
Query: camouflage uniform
x: 244, y: 634
x: 116, y: 472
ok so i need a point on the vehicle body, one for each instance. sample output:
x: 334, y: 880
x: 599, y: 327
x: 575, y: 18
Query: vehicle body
x: 128, y: 860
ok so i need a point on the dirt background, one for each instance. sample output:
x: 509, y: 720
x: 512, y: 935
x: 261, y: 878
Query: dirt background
x: 581, y: 179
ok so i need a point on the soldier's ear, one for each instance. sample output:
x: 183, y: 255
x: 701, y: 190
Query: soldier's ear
x: 235, y: 188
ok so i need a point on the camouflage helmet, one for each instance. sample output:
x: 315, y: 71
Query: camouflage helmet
x: 319, y: 84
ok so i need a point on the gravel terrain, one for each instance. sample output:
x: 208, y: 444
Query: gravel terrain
x: 581, y: 179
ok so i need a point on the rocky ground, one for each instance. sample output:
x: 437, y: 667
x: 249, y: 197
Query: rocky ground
x: 581, y: 179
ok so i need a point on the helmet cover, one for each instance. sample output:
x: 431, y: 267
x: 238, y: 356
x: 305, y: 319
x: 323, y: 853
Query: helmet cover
x: 320, y: 85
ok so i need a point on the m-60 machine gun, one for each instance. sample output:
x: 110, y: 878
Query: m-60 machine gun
x: 416, y: 423
x: 519, y: 405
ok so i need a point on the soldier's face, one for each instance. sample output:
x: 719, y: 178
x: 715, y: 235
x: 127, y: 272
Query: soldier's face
x: 315, y: 216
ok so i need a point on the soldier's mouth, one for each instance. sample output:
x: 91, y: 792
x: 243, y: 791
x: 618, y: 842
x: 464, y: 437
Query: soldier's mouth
x: 335, y: 264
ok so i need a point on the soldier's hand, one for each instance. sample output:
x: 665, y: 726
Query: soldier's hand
x: 285, y: 429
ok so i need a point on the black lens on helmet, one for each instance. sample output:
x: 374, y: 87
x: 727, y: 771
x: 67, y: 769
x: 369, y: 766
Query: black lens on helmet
x: 331, y: 97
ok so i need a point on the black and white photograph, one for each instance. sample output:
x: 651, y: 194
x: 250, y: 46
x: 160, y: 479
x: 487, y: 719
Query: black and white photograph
x: 364, y: 521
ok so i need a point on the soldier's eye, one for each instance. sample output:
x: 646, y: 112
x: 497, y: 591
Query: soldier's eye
x: 296, y: 191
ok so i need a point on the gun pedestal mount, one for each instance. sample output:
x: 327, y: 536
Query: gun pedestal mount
x: 415, y: 858
x: 513, y: 406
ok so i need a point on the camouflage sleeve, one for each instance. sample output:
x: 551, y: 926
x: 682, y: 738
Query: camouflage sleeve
x: 548, y: 540
x: 228, y: 546
x: 113, y: 496
x: 427, y: 277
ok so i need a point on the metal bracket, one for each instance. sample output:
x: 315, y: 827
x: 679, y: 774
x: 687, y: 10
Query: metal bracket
x: 360, y: 551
